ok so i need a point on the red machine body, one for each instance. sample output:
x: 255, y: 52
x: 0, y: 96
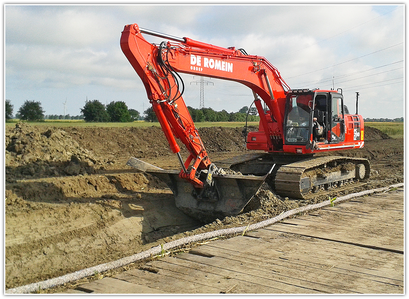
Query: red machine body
x: 291, y: 121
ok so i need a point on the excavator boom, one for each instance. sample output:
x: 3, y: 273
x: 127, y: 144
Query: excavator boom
x: 201, y: 189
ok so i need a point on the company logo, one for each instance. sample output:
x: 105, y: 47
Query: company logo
x: 197, y: 63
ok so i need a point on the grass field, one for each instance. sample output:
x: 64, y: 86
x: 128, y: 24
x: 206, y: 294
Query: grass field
x: 393, y: 129
x: 141, y: 124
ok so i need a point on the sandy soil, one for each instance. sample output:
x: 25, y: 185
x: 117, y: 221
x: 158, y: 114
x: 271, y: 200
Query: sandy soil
x: 72, y: 203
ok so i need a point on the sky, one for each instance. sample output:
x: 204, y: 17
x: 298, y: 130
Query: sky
x: 63, y: 55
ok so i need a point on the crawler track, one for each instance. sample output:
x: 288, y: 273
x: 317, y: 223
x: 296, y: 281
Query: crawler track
x: 298, y: 179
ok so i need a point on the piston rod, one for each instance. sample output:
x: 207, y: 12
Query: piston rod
x: 158, y: 34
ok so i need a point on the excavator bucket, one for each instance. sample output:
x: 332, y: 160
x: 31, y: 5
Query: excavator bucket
x: 227, y: 197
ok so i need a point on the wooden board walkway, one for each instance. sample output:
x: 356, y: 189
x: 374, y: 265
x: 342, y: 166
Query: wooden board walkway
x: 353, y: 248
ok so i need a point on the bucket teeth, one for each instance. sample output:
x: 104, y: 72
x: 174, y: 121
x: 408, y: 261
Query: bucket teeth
x: 227, y: 196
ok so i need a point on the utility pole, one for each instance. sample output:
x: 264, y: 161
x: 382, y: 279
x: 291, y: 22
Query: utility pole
x: 202, y: 82
x: 65, y: 106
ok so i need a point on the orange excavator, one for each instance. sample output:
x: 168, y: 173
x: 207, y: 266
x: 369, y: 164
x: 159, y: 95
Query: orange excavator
x: 294, y: 125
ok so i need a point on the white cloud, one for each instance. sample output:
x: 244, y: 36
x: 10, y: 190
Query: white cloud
x: 70, y: 26
x: 74, y: 49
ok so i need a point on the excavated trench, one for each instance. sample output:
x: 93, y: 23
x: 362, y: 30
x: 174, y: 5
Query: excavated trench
x: 71, y: 203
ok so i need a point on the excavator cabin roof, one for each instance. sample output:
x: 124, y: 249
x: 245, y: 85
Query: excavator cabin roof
x: 307, y: 90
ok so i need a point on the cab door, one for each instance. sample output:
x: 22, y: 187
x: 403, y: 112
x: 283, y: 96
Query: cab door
x: 337, y: 125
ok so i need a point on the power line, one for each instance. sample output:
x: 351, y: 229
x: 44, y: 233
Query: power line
x: 371, y: 75
x: 343, y: 81
x: 375, y: 83
x: 347, y: 75
x: 360, y: 88
x: 347, y: 61
x: 340, y: 33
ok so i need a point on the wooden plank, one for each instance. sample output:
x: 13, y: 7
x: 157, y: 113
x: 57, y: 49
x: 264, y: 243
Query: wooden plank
x: 197, y: 265
x: 246, y: 283
x: 356, y: 207
x: 169, y: 284
x: 373, y: 203
x: 109, y: 285
x: 253, y: 274
x: 73, y: 291
x: 388, y: 234
x: 288, y: 278
x: 303, y: 262
x: 343, y: 209
x: 286, y: 243
x: 303, y: 259
x: 197, y: 276
x: 351, y: 221
x: 382, y: 235
x: 353, y: 212
x: 224, y: 281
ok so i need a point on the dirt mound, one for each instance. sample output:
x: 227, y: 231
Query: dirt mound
x: 219, y: 139
x: 113, y: 142
x: 150, y: 142
x: 34, y: 152
x: 41, y: 151
x: 374, y: 134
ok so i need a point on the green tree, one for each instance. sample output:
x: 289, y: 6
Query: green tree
x: 210, y: 114
x: 118, y: 112
x: 199, y: 116
x: 244, y: 109
x: 134, y: 114
x: 253, y: 118
x: 94, y: 111
x: 9, y: 110
x: 237, y: 116
x: 150, y: 115
x: 223, y: 116
x: 31, y: 111
x: 196, y: 114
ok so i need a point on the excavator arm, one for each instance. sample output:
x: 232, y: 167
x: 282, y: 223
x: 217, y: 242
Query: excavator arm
x: 158, y: 67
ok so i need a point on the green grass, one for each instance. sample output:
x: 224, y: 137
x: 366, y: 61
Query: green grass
x: 139, y: 124
x: 393, y: 129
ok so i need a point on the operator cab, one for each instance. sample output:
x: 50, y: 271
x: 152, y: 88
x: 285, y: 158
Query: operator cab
x: 314, y: 117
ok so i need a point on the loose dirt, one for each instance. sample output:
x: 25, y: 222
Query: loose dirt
x: 72, y: 203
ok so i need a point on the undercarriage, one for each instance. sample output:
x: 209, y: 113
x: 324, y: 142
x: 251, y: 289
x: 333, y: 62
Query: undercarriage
x: 232, y: 188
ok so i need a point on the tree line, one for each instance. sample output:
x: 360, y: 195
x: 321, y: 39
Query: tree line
x: 95, y: 111
x: 210, y: 115
x: 398, y: 119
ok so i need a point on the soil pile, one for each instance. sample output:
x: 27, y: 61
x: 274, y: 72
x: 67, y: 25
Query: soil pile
x: 37, y: 151
x: 374, y: 134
